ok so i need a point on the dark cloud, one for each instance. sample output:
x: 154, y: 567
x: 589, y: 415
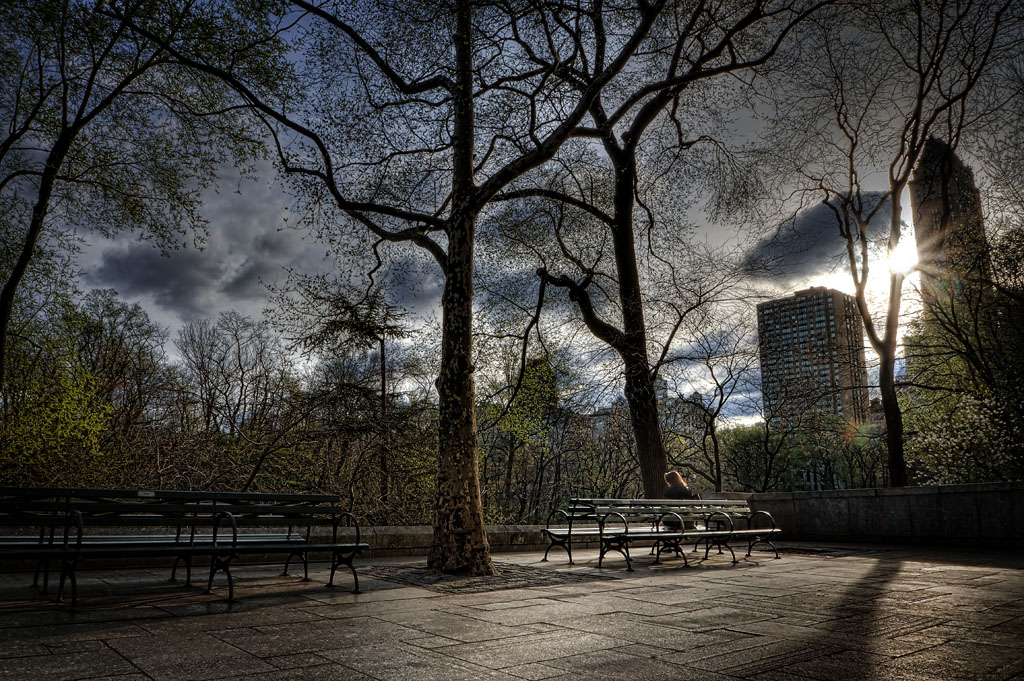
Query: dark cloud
x: 414, y: 284
x: 180, y: 282
x: 247, y: 282
x: 248, y: 246
x: 806, y: 244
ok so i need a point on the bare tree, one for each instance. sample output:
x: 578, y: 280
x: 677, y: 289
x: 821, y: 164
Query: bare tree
x: 693, y: 47
x: 871, y: 86
x: 720, y: 357
x: 415, y: 118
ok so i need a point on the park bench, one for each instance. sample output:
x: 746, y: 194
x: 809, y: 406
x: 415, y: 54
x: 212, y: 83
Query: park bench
x: 618, y: 523
x: 66, y: 526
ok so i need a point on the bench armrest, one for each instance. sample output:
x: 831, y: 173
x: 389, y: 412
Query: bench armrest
x: 602, y: 519
x: 766, y: 514
x: 351, y: 521
x: 568, y: 517
x: 661, y: 519
x: 220, y: 515
x: 716, y: 516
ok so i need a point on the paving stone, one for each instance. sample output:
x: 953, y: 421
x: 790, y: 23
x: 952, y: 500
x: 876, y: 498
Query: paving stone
x: 640, y: 630
x: 65, y: 667
x: 846, y: 664
x: 397, y: 662
x: 760, y: 658
x: 220, y: 619
x: 62, y: 635
x: 456, y: 627
x: 320, y: 672
x: 534, y: 672
x: 550, y: 610
x: 994, y: 636
x: 863, y: 674
x: 295, y: 661
x: 530, y: 648
x: 430, y: 642
x: 309, y: 637
x: 366, y: 595
x: 188, y: 657
x: 856, y: 638
x: 713, y: 617
x: 616, y: 665
x: 21, y: 649
x: 963, y: 660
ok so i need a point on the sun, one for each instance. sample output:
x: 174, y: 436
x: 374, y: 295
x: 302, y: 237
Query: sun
x: 903, y: 259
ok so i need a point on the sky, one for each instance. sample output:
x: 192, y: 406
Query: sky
x: 253, y: 241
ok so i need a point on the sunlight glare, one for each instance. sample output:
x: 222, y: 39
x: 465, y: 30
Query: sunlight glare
x: 904, y: 258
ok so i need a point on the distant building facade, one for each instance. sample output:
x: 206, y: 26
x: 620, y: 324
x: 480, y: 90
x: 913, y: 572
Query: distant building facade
x: 949, y: 228
x: 812, y: 356
x: 687, y: 417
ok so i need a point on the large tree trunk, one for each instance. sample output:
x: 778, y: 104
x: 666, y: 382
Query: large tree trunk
x: 643, y: 414
x: 893, y: 422
x: 640, y: 393
x: 384, y: 426
x: 46, y: 182
x: 459, y: 544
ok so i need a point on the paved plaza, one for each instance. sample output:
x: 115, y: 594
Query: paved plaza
x: 820, y: 612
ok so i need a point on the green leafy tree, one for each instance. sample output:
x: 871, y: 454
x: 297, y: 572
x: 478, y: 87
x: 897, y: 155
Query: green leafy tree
x: 55, y: 417
x: 104, y: 131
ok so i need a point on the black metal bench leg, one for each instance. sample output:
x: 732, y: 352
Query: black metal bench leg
x: 305, y: 564
x: 187, y: 561
x: 67, y: 575
x: 73, y: 578
x: 613, y: 544
x: 338, y: 559
x: 224, y: 565
x: 567, y: 545
x: 758, y: 540
x: 60, y: 586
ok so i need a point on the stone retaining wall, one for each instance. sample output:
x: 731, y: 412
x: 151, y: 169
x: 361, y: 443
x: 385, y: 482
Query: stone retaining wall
x: 414, y: 540
x: 938, y: 514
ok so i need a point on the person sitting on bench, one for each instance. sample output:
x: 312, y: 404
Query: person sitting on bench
x: 676, y: 489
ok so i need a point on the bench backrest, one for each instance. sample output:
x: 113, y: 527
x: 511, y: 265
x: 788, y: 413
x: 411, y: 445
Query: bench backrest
x: 698, y: 507
x: 185, y: 512
x: 582, y: 511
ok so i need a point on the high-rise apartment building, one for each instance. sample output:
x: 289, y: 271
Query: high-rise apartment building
x: 952, y: 250
x: 812, y: 356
